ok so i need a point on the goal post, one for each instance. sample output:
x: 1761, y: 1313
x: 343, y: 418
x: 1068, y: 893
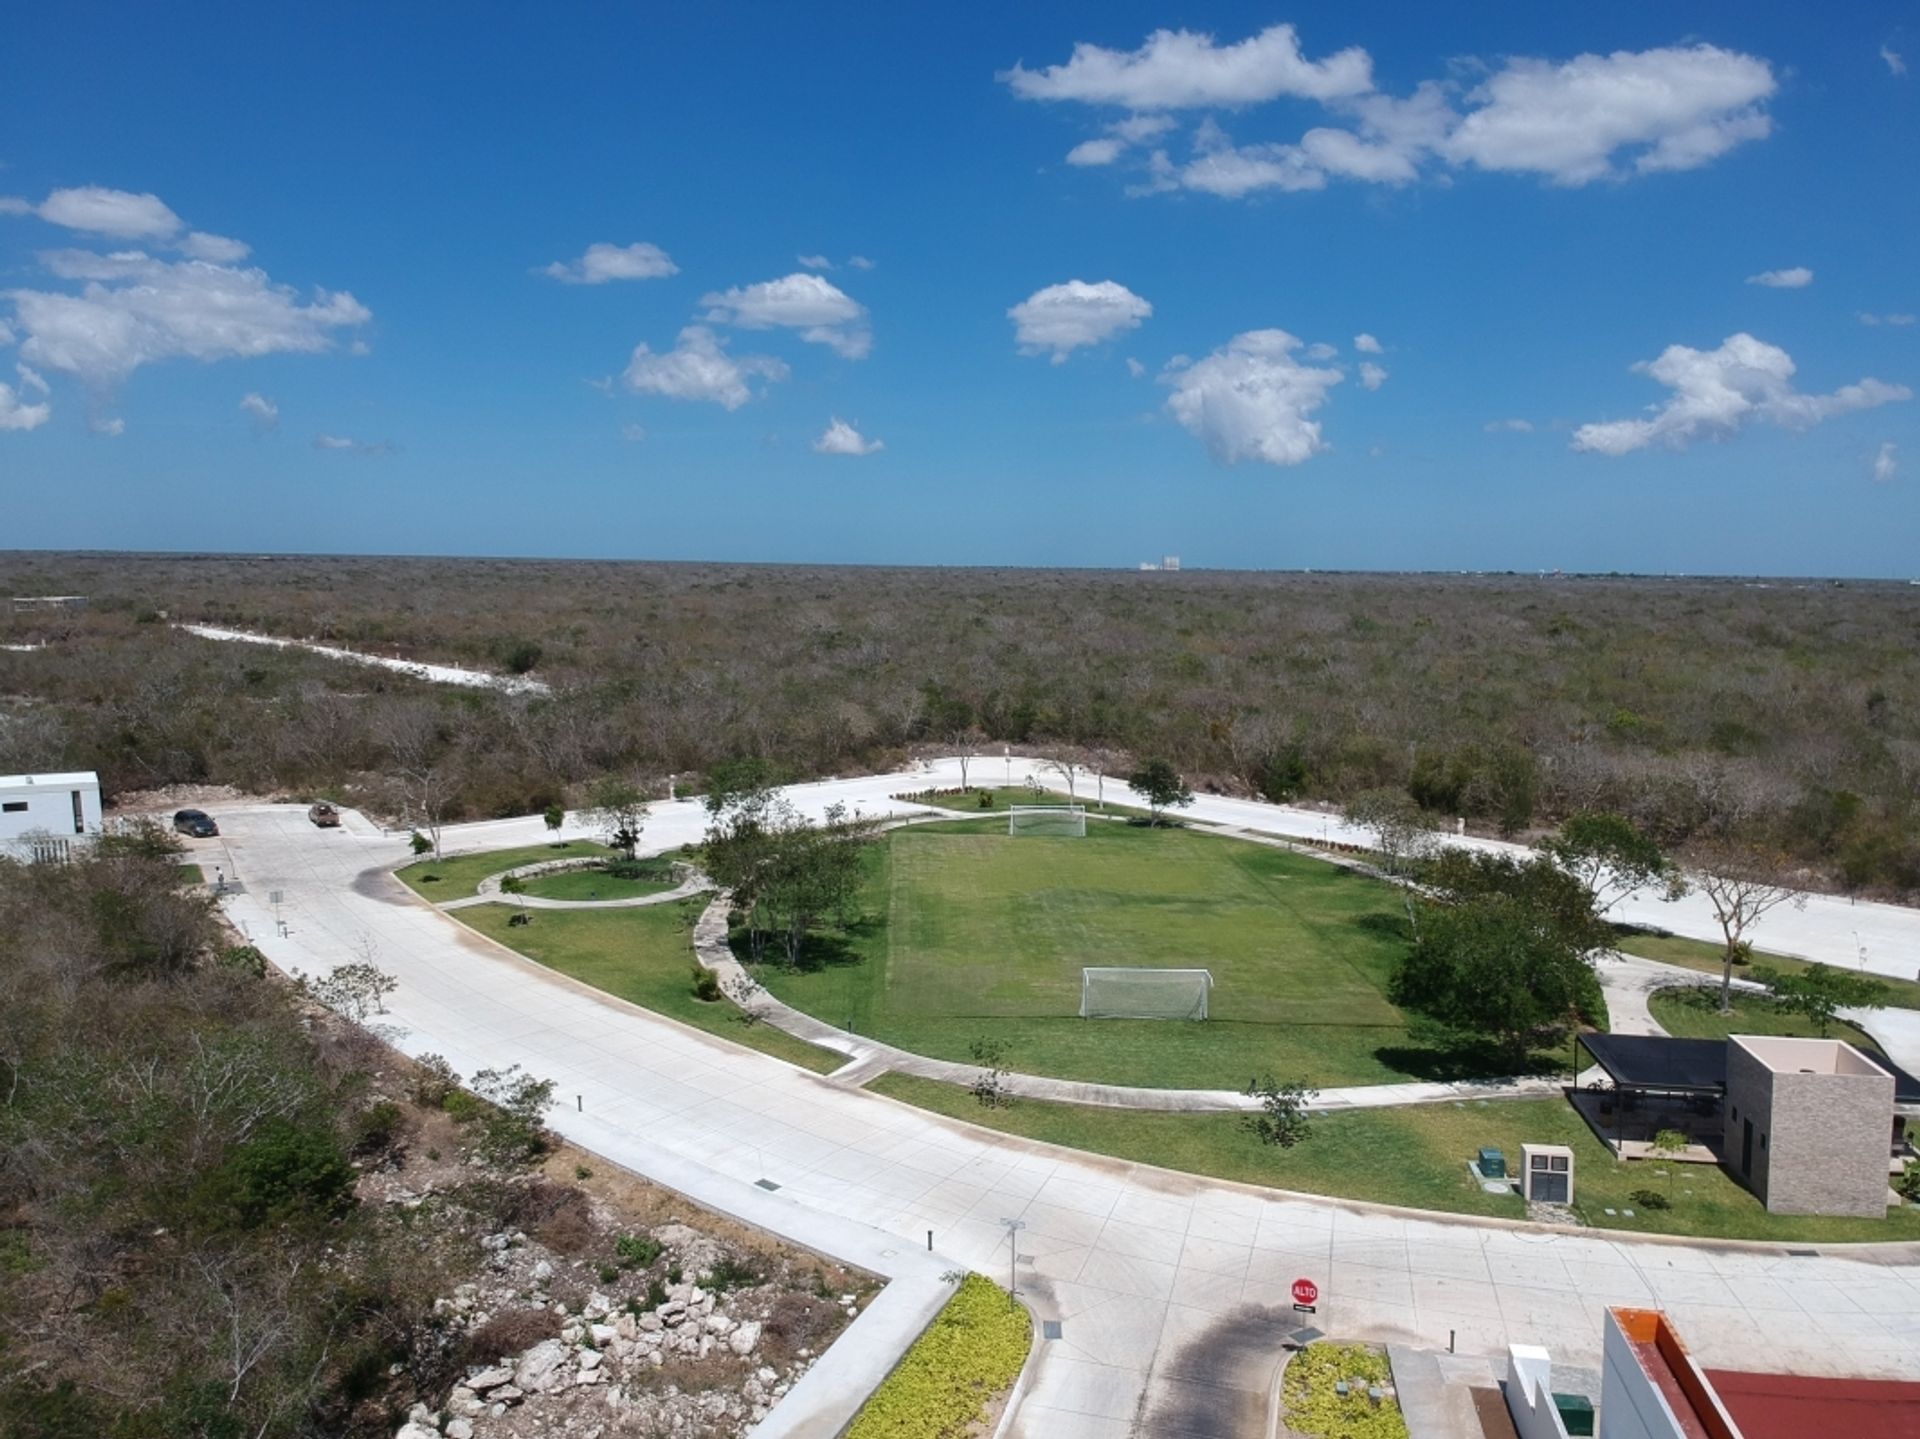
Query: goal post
x: 1068, y: 820
x: 1137, y: 993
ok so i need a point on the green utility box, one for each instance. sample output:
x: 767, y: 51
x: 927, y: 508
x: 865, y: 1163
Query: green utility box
x: 1576, y: 1412
x: 1493, y: 1164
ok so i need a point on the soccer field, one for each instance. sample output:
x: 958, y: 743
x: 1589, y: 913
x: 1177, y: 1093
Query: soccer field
x: 968, y: 933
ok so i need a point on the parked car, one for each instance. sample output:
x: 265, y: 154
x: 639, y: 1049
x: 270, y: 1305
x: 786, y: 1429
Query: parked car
x: 324, y: 815
x: 196, y: 823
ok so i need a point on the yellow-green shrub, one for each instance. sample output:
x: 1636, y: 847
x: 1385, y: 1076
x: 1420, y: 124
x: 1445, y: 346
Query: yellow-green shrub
x: 1314, y: 1408
x: 973, y: 1349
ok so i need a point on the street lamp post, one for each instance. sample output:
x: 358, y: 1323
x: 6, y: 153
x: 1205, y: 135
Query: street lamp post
x: 1013, y: 1228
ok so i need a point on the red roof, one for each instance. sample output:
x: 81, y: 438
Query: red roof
x: 1787, y: 1406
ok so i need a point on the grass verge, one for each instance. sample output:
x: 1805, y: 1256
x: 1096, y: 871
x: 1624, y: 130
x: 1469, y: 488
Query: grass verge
x: 967, y: 1358
x: 1704, y: 956
x: 597, y: 884
x: 1694, y: 1013
x: 1426, y: 1149
x: 644, y: 956
x: 459, y: 876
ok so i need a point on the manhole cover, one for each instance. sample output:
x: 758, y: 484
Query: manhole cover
x: 766, y: 1184
x: 1049, y: 1328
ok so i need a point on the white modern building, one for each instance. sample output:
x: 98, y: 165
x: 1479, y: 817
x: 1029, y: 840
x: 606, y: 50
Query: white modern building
x: 41, y: 815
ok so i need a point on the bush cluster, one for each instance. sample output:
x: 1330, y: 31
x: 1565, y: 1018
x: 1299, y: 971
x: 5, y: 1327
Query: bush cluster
x: 975, y: 1347
x: 1315, y: 1407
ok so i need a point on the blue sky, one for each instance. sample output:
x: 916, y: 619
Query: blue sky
x: 1519, y: 205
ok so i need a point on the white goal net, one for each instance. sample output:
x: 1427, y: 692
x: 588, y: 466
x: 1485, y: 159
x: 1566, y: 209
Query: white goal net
x: 1144, y: 993
x: 1055, y: 819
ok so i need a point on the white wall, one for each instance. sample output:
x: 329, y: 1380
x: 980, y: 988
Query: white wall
x: 1530, y: 1393
x: 45, y: 806
x: 1631, y: 1405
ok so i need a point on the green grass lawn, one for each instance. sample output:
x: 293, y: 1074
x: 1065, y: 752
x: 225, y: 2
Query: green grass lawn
x: 966, y: 933
x: 459, y: 876
x: 1006, y: 797
x: 192, y: 874
x: 1415, y: 1156
x: 1695, y: 1014
x: 598, y: 884
x: 1706, y: 957
x: 644, y: 956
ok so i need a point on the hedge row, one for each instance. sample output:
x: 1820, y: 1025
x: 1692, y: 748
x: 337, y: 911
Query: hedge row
x: 973, y: 1349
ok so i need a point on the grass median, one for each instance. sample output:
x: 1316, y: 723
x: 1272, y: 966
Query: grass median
x: 458, y: 876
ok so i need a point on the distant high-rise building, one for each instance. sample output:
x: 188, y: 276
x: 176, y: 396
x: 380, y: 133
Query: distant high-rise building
x: 1170, y: 562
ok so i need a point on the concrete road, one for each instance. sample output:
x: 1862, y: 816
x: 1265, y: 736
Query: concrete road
x: 1170, y: 1290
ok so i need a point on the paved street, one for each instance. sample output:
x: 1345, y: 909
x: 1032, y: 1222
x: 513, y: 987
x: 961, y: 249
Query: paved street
x: 1171, y: 1291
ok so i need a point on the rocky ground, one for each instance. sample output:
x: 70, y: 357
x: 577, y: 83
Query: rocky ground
x: 596, y: 1303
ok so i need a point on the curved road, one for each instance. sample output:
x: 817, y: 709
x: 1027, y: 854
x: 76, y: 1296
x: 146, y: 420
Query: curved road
x: 1171, y: 1291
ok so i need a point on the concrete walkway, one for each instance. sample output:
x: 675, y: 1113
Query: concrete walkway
x: 870, y: 1058
x: 1154, y: 1276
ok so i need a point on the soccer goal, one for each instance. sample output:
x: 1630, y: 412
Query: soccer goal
x: 1056, y: 819
x: 1115, y: 993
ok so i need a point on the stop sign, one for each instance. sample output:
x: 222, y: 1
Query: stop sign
x: 1305, y: 1291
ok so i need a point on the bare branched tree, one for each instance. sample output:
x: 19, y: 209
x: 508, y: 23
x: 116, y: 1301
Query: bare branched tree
x: 1742, y: 886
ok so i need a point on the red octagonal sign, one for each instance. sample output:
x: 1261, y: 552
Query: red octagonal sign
x: 1305, y: 1291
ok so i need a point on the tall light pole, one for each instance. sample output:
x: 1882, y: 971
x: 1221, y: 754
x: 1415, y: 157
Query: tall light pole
x: 1013, y: 1227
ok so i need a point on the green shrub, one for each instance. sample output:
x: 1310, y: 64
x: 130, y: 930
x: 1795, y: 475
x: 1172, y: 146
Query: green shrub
x: 974, y: 1349
x: 1315, y: 1407
x: 433, y: 1081
x: 245, y: 959
x: 637, y: 1251
x: 376, y: 1127
x: 1650, y: 1199
x: 706, y: 984
x: 283, y: 1171
x: 731, y: 1273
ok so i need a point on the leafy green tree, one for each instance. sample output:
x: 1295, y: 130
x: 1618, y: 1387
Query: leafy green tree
x: 1819, y: 989
x: 1499, y: 966
x: 1160, y: 785
x: 1402, y: 833
x: 1282, y: 1118
x: 619, y: 808
x: 555, y: 816
x: 1670, y: 1144
x: 744, y: 781
x: 812, y: 872
x: 1555, y: 897
x: 284, y: 1170
x: 1611, y: 857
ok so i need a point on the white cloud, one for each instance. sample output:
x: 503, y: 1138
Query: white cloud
x: 823, y: 313
x: 17, y: 414
x: 367, y: 449
x: 860, y: 262
x: 1513, y: 427
x: 31, y: 379
x: 1135, y: 368
x: 1372, y: 376
x: 1715, y: 392
x: 1798, y: 278
x: 1895, y: 64
x: 6, y: 335
x: 633, y: 434
x: 117, y: 214
x: 1572, y: 122
x: 113, y: 428
x: 1674, y: 109
x: 840, y: 438
x: 1061, y: 318
x: 1180, y: 69
x: 814, y: 262
x: 1894, y: 319
x: 135, y: 309
x: 215, y: 248
x: 699, y: 368
x: 1886, y: 464
x: 1251, y: 399
x: 603, y: 262
x: 1367, y: 345
x: 1320, y: 350
x: 266, y: 414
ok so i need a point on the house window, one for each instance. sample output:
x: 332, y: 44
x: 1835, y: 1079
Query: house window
x: 14, y: 806
x: 79, y: 815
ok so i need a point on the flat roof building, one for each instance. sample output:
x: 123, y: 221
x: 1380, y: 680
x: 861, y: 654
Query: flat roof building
x: 42, y: 814
x: 1808, y: 1124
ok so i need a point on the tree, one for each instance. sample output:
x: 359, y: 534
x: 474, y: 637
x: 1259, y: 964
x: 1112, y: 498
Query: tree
x: 1741, y: 887
x: 1497, y: 966
x: 1160, y: 785
x: 990, y: 1085
x: 744, y: 780
x: 1282, y: 1119
x: 555, y: 816
x: 1670, y: 1144
x: 1819, y: 990
x: 424, y: 765
x: 1611, y: 857
x: 1402, y: 834
x: 811, y: 872
x: 1554, y: 897
x: 618, y: 807
x: 1069, y: 765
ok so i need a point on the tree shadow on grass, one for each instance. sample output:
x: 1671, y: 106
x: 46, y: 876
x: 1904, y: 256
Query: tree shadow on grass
x: 1386, y: 924
x: 1461, y: 1059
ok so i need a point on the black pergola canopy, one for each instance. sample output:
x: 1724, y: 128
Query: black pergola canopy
x: 1657, y: 1062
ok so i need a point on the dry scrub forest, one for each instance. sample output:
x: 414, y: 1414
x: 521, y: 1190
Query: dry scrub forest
x: 1783, y: 715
